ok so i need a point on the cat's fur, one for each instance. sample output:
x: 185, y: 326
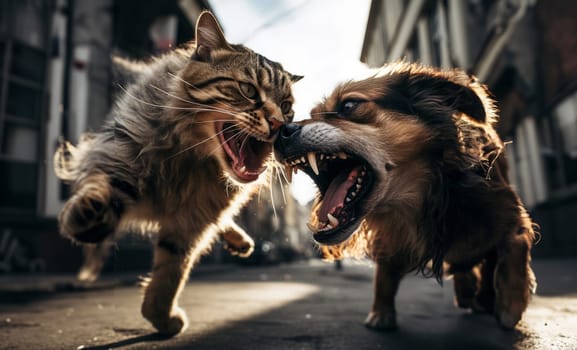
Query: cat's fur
x: 186, y: 146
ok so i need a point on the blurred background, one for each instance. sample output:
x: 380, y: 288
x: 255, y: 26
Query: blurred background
x: 56, y: 80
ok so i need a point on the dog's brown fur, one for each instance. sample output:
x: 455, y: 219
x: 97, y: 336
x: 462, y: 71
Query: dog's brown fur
x: 438, y: 193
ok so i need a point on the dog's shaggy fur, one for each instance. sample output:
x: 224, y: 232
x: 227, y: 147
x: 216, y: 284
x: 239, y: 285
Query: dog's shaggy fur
x: 411, y: 171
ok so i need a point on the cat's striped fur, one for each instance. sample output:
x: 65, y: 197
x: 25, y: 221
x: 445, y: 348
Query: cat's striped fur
x: 186, y: 145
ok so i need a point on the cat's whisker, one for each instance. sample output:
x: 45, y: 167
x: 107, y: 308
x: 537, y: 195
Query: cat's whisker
x: 324, y: 113
x: 272, y: 203
x: 195, y: 109
x: 206, y: 107
x: 227, y: 140
x: 198, y: 90
x: 277, y: 172
x: 281, y: 171
x: 201, y: 142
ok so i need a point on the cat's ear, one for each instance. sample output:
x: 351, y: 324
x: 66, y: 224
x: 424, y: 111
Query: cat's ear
x: 295, y: 78
x: 209, y: 37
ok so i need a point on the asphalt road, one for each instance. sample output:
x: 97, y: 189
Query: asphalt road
x: 299, y: 306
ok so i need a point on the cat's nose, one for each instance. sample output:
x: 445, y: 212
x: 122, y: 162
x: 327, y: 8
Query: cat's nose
x: 275, y: 124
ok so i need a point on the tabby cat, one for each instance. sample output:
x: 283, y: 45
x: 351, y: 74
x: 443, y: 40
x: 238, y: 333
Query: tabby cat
x: 187, y: 144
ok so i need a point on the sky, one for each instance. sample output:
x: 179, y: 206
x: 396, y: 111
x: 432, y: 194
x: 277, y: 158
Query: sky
x: 320, y: 39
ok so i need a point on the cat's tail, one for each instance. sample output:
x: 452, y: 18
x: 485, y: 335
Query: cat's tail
x: 67, y: 157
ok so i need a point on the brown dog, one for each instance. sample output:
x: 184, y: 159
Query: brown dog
x: 411, y: 172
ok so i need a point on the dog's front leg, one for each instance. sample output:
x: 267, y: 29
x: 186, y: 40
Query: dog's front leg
x: 514, y: 279
x: 386, y: 283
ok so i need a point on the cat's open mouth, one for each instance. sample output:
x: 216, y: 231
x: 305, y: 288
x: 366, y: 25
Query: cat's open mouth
x: 344, y: 181
x: 246, y: 154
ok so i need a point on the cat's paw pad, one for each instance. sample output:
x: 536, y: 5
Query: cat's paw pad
x: 241, y: 247
x: 381, y: 321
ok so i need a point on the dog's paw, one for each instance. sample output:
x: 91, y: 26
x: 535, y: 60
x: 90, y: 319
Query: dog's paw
x: 381, y: 321
x: 508, y: 320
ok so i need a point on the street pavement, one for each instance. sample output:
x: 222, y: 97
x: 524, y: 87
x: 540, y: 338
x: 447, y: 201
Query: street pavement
x: 305, y: 305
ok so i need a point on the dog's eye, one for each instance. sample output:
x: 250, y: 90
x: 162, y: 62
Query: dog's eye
x: 347, y: 106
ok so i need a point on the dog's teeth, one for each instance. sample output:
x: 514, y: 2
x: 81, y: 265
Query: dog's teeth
x: 312, y: 157
x: 243, y: 169
x: 342, y: 155
x: 311, y: 227
x: 353, y: 194
x: 358, y: 187
x: 322, y: 156
x: 360, y: 180
x: 288, y: 173
x: 303, y: 160
x: 347, y: 199
x: 333, y: 221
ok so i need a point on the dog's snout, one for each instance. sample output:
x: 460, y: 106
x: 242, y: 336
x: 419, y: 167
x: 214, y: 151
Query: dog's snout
x: 288, y: 134
x: 289, y: 130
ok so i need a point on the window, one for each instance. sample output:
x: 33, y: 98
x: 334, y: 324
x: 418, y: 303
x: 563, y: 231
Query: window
x: 23, y: 64
x: 560, y: 136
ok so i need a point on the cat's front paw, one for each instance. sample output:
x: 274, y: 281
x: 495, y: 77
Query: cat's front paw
x: 242, y: 248
x: 88, y: 216
x: 237, y: 242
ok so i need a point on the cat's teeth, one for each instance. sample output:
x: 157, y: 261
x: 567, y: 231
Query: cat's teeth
x: 312, y: 157
x: 334, y: 221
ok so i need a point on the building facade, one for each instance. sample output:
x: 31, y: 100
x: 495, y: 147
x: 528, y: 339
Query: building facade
x: 524, y: 50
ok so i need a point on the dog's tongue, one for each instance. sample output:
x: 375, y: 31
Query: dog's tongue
x: 336, y: 192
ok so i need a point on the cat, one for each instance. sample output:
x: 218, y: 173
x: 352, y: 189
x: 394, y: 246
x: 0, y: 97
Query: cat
x: 185, y: 147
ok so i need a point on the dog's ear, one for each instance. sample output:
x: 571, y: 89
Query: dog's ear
x: 431, y: 95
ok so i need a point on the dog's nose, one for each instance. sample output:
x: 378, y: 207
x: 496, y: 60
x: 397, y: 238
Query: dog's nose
x: 289, y: 130
x: 288, y: 134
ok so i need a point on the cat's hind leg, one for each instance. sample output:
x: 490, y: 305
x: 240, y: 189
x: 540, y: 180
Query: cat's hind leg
x: 237, y: 241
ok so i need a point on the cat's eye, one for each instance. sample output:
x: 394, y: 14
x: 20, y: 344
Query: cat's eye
x: 248, y: 90
x: 286, y: 107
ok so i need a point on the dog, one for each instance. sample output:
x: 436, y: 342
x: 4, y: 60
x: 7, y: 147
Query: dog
x: 412, y: 173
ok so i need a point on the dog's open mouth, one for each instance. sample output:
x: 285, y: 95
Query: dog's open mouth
x: 344, y: 181
x: 246, y: 154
